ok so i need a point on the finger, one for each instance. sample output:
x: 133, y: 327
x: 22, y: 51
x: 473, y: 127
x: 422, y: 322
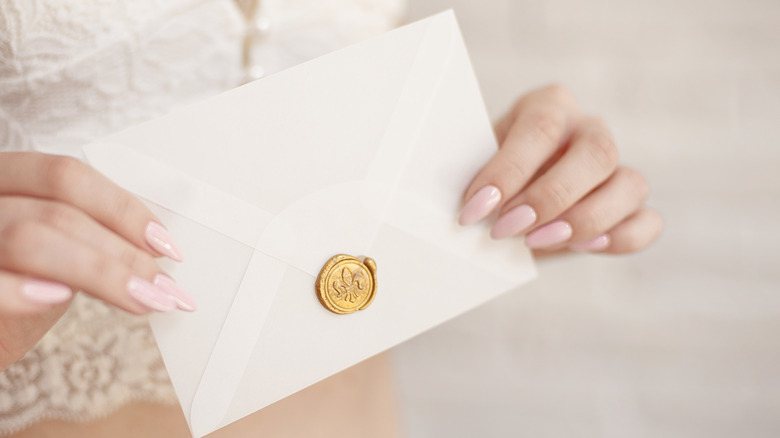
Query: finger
x: 28, y: 308
x: 589, y: 160
x: 69, y: 261
x: 635, y: 233
x: 73, y: 222
x: 534, y: 130
x: 501, y: 129
x: 73, y: 182
x: 77, y: 224
x: 24, y: 295
x: 620, y: 196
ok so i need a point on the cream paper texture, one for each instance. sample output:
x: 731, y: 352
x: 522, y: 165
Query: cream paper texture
x: 365, y: 151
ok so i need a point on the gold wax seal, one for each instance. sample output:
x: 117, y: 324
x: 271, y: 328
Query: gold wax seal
x: 346, y: 284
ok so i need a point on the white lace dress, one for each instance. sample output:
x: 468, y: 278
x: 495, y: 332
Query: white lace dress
x: 72, y: 71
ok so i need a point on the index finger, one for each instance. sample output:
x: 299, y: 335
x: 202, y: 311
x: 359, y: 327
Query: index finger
x: 530, y: 135
x: 70, y: 181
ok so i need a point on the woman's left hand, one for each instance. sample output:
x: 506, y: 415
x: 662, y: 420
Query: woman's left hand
x: 556, y: 180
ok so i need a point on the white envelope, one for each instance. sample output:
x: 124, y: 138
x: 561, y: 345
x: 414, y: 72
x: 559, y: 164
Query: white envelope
x: 365, y: 151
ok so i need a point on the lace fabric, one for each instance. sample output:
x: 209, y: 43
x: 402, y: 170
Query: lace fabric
x: 72, y: 71
x: 94, y: 360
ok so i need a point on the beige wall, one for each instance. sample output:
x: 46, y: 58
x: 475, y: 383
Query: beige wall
x: 682, y: 340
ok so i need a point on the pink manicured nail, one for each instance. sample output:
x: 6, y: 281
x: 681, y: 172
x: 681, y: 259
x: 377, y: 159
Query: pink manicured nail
x: 548, y: 235
x: 183, y: 300
x: 513, y: 222
x: 160, y: 239
x: 46, y: 292
x: 595, y: 244
x: 150, y: 295
x: 480, y: 205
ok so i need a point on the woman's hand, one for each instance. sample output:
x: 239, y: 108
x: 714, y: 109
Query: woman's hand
x: 556, y: 180
x: 65, y: 227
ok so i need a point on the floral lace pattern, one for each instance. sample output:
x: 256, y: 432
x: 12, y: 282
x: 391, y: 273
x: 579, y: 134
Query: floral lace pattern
x: 72, y: 71
x: 94, y: 360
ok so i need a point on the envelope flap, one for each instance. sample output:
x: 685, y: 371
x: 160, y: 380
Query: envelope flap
x: 178, y: 191
x: 234, y: 166
x: 305, y: 244
x: 242, y: 202
x: 308, y: 244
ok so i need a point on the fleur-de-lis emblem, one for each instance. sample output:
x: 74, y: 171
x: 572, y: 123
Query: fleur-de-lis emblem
x: 346, y: 284
x: 350, y: 286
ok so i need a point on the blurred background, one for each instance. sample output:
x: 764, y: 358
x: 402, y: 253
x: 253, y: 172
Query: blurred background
x: 682, y: 340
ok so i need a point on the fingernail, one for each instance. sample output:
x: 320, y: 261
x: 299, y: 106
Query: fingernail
x: 548, y: 235
x: 513, y: 222
x: 182, y: 298
x: 150, y: 295
x: 46, y: 292
x: 595, y: 244
x: 160, y: 239
x: 480, y: 205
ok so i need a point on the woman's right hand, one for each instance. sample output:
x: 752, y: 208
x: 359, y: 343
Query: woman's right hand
x: 64, y: 227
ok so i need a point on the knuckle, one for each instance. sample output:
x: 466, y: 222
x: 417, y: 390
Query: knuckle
x: 122, y: 207
x: 596, y: 121
x: 17, y: 242
x: 603, y: 152
x: 555, y: 196
x: 62, y: 173
x: 547, y: 128
x: 592, y: 222
x: 138, y: 262
x: 129, y: 258
x: 102, y: 268
x: 57, y: 216
x: 637, y: 182
x: 559, y: 92
x: 513, y: 165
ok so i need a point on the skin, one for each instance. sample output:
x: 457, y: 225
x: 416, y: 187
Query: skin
x: 62, y: 221
x: 564, y: 164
